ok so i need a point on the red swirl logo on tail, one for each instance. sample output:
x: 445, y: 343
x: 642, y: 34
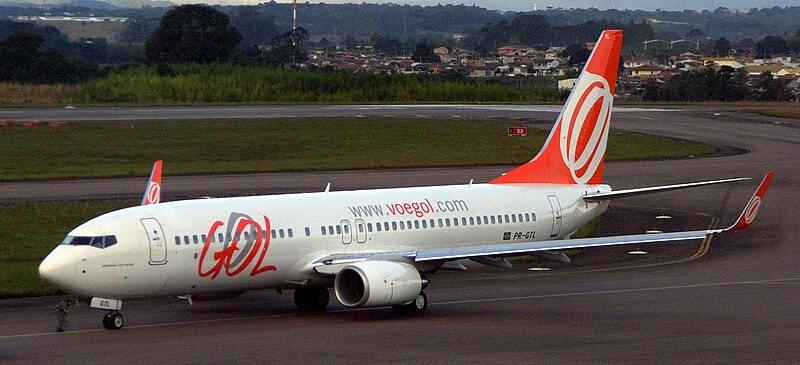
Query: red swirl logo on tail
x: 153, y: 193
x: 752, y: 210
x: 584, y: 127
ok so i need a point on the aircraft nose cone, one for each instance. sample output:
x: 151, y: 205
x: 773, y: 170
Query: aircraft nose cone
x: 58, y: 268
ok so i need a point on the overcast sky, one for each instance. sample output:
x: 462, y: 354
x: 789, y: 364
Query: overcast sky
x: 525, y: 5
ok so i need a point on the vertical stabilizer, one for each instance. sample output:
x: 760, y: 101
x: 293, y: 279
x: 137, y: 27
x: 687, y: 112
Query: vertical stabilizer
x: 152, y: 194
x: 575, y: 150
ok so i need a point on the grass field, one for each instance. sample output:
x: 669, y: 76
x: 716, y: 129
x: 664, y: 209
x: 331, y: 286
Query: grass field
x: 129, y: 149
x: 30, y: 231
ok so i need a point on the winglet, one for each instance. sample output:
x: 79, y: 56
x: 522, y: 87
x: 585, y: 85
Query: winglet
x: 152, y: 194
x: 749, y: 212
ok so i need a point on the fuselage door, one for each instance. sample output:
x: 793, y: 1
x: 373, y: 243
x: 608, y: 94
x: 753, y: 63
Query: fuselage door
x: 158, y: 245
x: 361, y: 231
x: 347, y: 232
x: 555, y: 205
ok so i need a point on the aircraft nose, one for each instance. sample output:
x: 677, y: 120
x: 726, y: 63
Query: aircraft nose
x: 58, y: 268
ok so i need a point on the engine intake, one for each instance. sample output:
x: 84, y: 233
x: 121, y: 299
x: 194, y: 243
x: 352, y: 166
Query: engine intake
x: 377, y: 283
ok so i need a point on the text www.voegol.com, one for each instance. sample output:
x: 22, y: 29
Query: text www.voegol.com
x: 417, y: 209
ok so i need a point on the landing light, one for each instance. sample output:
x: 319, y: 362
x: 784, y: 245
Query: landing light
x: 663, y: 217
x: 637, y: 252
x: 538, y: 269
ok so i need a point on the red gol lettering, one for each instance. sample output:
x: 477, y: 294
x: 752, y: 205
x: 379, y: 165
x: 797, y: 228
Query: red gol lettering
x: 223, y: 258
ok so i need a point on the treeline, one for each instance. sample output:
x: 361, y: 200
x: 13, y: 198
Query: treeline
x: 725, y: 84
x: 226, y: 83
x: 535, y: 30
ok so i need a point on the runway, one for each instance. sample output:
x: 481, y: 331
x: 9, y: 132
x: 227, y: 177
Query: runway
x: 732, y: 299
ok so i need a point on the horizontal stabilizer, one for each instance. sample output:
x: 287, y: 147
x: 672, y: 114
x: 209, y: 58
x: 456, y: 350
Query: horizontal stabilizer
x: 654, y: 189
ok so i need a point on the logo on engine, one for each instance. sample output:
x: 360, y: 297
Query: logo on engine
x: 584, y: 128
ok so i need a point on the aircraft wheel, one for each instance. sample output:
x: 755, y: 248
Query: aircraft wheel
x: 113, y: 320
x: 301, y: 298
x: 419, y: 304
x: 319, y: 298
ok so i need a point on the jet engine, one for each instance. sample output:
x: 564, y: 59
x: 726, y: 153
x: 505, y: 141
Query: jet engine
x: 377, y: 283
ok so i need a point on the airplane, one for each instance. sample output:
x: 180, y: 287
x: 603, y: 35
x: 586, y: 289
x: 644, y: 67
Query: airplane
x: 375, y: 248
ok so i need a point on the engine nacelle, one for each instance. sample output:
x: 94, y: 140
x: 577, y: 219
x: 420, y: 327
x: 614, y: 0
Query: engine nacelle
x: 377, y: 283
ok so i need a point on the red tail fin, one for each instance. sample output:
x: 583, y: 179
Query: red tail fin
x: 575, y: 150
x: 152, y: 194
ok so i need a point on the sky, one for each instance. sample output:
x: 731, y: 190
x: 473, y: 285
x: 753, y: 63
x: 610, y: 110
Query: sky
x: 527, y: 5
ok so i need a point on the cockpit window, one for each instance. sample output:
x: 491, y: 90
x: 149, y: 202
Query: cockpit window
x: 94, y: 241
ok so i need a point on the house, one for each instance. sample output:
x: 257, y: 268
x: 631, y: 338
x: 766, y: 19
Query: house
x: 722, y: 61
x: 567, y: 84
x: 514, y: 50
x: 635, y: 61
x: 553, y: 52
x: 482, y: 71
x: 758, y: 70
x: 643, y: 71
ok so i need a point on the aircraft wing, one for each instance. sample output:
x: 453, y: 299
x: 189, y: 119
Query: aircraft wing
x: 523, y: 248
x: 654, y: 189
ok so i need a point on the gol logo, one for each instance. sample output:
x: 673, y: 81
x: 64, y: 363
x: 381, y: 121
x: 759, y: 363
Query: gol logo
x: 584, y: 130
x: 752, y: 209
x: 231, y: 258
x: 153, y: 193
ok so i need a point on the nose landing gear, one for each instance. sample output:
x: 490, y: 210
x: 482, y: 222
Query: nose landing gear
x: 113, y: 320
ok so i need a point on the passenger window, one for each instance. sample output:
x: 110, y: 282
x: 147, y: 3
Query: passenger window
x: 378, y: 226
x: 238, y: 237
x: 386, y: 226
x: 220, y: 237
x: 519, y: 217
x: 416, y: 224
x: 455, y: 222
x: 478, y: 220
x: 330, y: 229
x: 394, y: 226
x: 463, y: 221
x: 289, y: 233
x: 408, y: 224
x: 308, y: 232
x: 203, y: 238
x: 280, y: 232
x: 194, y: 238
x: 213, y: 240
x: 369, y: 227
x: 485, y: 220
x: 274, y: 234
x: 246, y: 237
x: 493, y: 220
x: 322, y: 229
x: 402, y: 225
x: 178, y: 240
x: 338, y: 229
x: 227, y: 237
x: 433, y: 223
x: 186, y: 239
x: 424, y: 223
x: 507, y: 220
x: 471, y: 221
x: 533, y: 216
x: 446, y: 222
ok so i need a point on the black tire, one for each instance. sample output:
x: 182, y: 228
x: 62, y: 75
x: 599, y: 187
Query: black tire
x: 302, y: 298
x: 318, y: 298
x: 116, y: 321
x: 107, y: 321
x: 418, y: 305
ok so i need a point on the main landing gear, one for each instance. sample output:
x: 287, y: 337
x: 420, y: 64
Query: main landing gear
x: 113, y: 320
x: 417, y: 306
x: 312, y: 298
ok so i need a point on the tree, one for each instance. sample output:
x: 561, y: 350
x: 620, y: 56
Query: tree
x: 576, y: 53
x: 256, y: 28
x: 423, y: 53
x: 695, y: 33
x: 22, y: 61
x: 192, y: 33
x: 721, y: 47
x: 137, y: 30
x: 771, y: 45
x: 286, y: 48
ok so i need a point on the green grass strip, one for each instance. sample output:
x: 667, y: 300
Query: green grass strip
x: 129, y: 149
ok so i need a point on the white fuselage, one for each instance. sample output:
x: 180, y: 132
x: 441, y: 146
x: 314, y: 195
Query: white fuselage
x: 159, y: 247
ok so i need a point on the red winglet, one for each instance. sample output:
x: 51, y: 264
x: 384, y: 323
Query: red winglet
x: 749, y: 212
x: 152, y: 194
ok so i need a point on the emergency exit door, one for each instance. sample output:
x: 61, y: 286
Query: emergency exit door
x: 158, y: 245
x: 555, y: 205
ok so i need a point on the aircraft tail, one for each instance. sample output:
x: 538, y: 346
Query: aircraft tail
x: 575, y: 150
x: 152, y: 194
